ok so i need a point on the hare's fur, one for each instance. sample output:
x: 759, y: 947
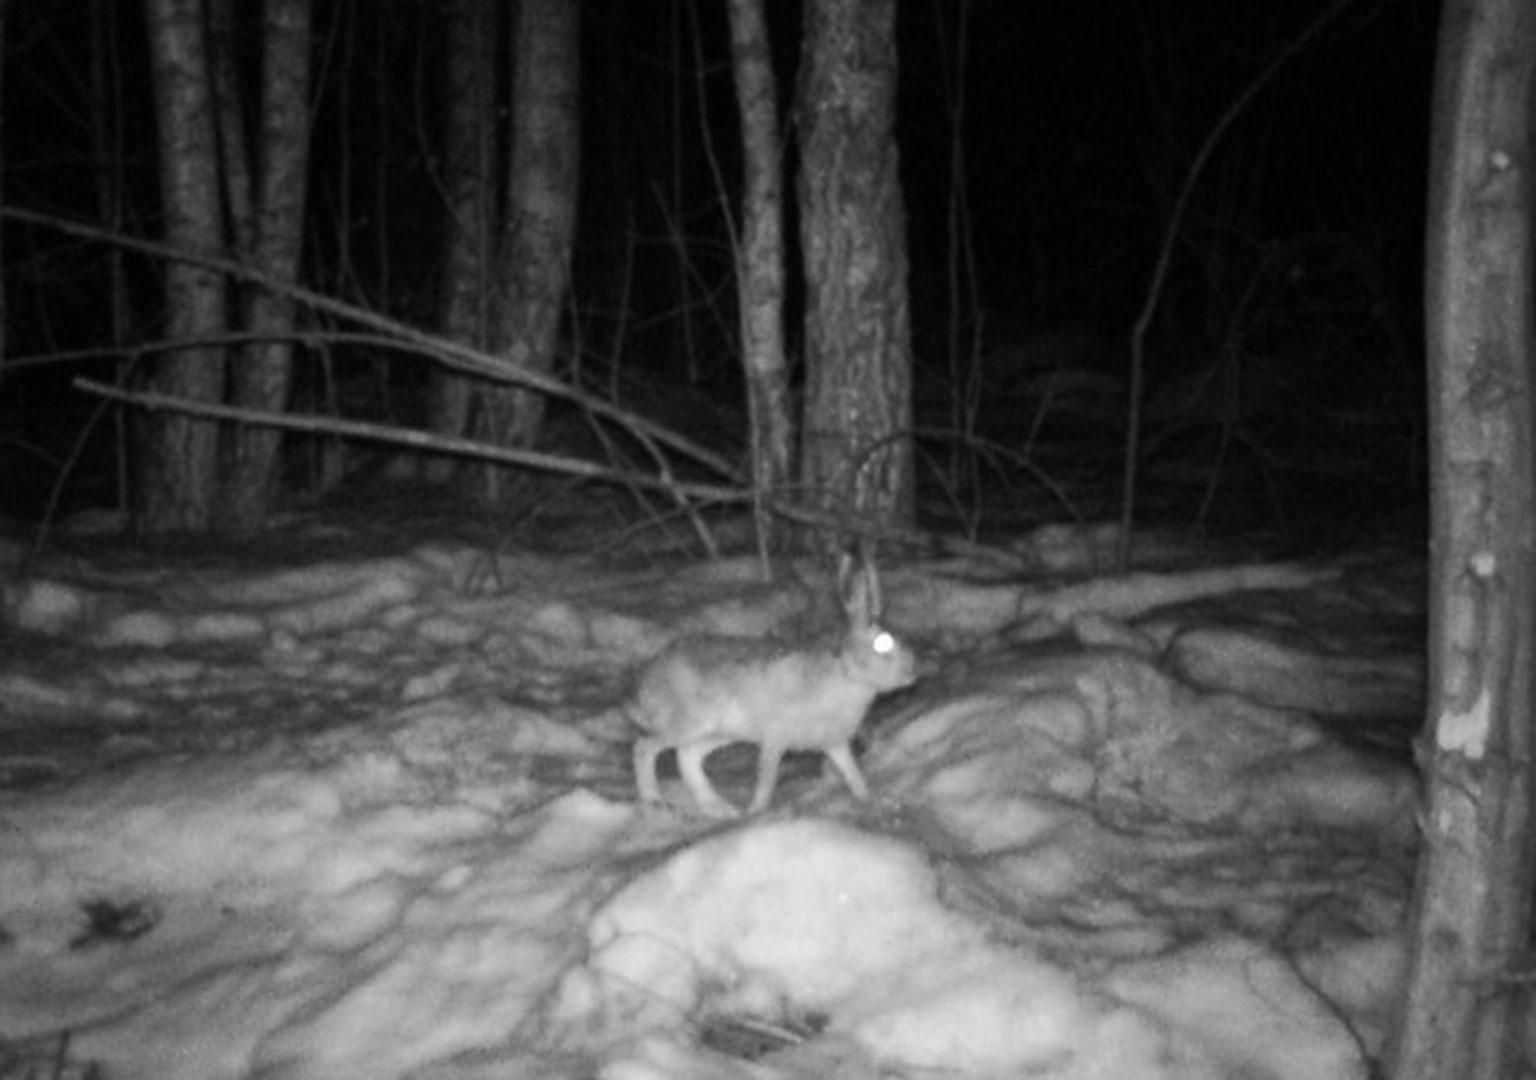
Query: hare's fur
x: 704, y: 693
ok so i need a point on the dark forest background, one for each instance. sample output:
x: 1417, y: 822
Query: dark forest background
x: 1042, y: 147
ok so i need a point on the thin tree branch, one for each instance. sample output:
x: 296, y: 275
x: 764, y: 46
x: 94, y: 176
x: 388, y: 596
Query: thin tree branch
x: 421, y: 440
x: 448, y: 353
x: 1165, y: 259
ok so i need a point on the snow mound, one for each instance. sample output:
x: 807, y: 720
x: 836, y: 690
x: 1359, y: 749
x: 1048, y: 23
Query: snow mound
x: 817, y: 918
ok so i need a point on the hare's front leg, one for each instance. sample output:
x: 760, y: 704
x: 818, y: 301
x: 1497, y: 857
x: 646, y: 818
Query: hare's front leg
x: 690, y: 763
x: 768, y: 757
x: 842, y: 759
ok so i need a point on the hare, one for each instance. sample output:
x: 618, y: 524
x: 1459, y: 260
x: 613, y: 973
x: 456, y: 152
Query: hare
x: 703, y: 693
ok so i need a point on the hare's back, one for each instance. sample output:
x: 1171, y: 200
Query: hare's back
x: 699, y: 676
x: 746, y: 689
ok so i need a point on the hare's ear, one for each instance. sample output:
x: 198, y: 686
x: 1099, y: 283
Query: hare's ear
x: 873, y: 606
x: 845, y: 579
x: 860, y: 589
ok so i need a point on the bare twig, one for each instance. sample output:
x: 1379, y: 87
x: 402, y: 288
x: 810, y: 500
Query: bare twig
x: 56, y: 492
x: 1165, y: 258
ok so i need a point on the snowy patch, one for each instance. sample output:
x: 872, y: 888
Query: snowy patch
x: 377, y: 818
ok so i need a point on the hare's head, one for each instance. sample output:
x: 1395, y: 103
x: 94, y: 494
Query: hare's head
x: 880, y: 659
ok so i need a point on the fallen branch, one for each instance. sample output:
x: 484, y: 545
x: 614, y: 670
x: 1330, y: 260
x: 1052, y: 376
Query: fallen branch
x: 483, y: 365
x: 448, y: 353
x: 421, y: 440
x: 682, y: 491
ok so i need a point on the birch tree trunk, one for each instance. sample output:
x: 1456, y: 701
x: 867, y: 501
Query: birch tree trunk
x: 178, y: 474
x: 540, y: 226
x: 1471, y: 943
x: 469, y: 140
x: 857, y: 446
x: 5, y: 308
x: 262, y: 377
x: 760, y: 260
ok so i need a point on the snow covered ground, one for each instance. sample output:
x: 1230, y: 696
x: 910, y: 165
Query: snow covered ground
x: 372, y: 817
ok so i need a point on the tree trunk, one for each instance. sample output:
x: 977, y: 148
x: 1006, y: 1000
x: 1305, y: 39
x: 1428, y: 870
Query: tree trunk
x: 469, y: 141
x: 107, y: 148
x: 229, y: 122
x: 857, y: 447
x: 177, y: 480
x: 540, y: 226
x: 5, y: 310
x: 262, y: 377
x: 760, y: 269
x: 1472, y: 902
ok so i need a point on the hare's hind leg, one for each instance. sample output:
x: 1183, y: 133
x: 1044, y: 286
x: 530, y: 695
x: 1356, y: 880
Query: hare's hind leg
x: 646, y: 751
x: 841, y: 758
x: 768, y: 757
x: 690, y: 763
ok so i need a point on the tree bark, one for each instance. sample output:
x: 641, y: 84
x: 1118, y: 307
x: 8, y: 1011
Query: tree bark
x: 857, y: 448
x: 540, y: 226
x: 229, y: 123
x: 262, y: 377
x: 760, y: 260
x: 177, y: 480
x: 1473, y: 894
x: 5, y: 309
x: 469, y: 140
x: 107, y: 148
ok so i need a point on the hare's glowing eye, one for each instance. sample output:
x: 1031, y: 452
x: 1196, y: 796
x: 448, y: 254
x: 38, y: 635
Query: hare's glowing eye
x: 883, y: 642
